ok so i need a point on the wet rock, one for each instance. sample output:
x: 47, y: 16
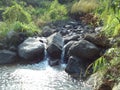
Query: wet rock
x: 100, y: 41
x: 54, y: 62
x: 15, y: 38
x: 84, y: 50
x: 68, y: 26
x: 104, y: 87
x: 7, y: 57
x: 64, y: 32
x: 71, y: 38
x: 75, y: 67
x: 55, y: 45
x: 31, y: 49
x: 66, y: 48
x: 47, y: 31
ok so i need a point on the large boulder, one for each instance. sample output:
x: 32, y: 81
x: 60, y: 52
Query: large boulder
x: 31, y: 49
x: 99, y: 40
x: 75, y: 67
x: 55, y: 45
x: 84, y: 50
x: 7, y: 57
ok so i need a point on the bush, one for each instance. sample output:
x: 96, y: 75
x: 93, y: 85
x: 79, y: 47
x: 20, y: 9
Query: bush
x: 30, y: 28
x: 84, y: 6
x: 110, y: 17
x: 3, y: 29
x: 55, y: 12
x: 16, y: 13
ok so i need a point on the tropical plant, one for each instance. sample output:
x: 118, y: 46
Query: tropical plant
x: 16, y: 13
x: 55, y: 12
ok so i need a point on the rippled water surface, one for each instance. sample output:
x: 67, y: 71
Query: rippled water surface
x: 37, y: 77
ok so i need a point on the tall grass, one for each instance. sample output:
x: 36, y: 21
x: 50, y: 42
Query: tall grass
x: 84, y: 6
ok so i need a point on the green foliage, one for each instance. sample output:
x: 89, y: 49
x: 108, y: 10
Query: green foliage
x: 16, y: 13
x: 3, y: 29
x: 55, y: 12
x: 110, y: 14
x: 109, y: 59
x: 99, y: 64
x: 30, y: 28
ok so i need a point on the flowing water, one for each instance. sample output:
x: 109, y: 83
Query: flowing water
x: 38, y: 76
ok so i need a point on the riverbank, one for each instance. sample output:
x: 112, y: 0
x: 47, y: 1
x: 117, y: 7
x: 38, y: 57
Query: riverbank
x: 83, y: 35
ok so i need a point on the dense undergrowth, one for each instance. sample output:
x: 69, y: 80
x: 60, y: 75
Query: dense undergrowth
x: 30, y: 15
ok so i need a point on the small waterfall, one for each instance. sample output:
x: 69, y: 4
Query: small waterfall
x: 39, y: 76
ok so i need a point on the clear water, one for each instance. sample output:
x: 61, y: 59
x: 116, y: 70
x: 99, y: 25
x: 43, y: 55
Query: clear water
x: 38, y: 77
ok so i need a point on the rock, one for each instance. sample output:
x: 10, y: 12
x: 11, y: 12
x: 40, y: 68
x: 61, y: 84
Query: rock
x: 31, y: 49
x: 71, y: 38
x: 1, y: 46
x: 68, y: 26
x: 15, y: 38
x: 47, y: 31
x: 54, y: 62
x: 64, y: 32
x: 84, y: 50
x: 55, y: 45
x: 100, y: 41
x: 75, y: 67
x: 66, y: 49
x: 7, y: 57
x: 104, y: 87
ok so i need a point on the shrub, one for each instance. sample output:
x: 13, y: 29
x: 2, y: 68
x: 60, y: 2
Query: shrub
x: 55, y: 12
x: 3, y: 29
x: 16, y: 13
x: 30, y: 28
x: 84, y: 6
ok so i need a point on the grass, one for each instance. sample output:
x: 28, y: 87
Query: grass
x: 84, y: 6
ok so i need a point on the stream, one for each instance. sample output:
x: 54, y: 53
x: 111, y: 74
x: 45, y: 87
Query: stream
x: 38, y: 76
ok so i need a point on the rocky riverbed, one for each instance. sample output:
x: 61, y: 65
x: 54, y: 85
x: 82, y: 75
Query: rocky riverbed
x: 69, y: 42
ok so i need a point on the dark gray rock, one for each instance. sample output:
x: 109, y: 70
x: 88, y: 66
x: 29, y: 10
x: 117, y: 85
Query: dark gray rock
x: 71, y: 38
x: 55, y: 45
x: 47, y: 31
x: 75, y: 67
x: 31, y: 49
x: 7, y: 57
x: 84, y: 50
x: 15, y: 38
x: 66, y: 49
x: 98, y: 40
x: 54, y: 62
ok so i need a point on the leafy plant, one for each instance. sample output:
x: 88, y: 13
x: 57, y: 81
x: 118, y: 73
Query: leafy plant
x: 55, y: 12
x: 16, y: 13
x: 30, y: 28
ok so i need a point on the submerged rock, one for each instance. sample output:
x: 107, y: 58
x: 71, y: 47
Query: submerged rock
x: 7, y: 57
x: 31, y: 49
